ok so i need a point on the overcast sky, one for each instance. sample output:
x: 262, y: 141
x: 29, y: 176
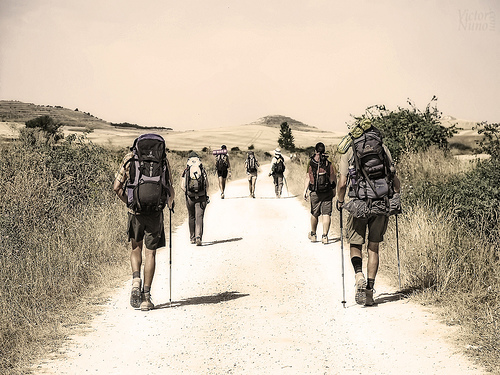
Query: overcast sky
x: 209, y: 63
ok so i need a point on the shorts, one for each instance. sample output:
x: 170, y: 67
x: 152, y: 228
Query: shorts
x: 321, y: 203
x: 356, y: 229
x: 148, y: 228
x: 252, y: 175
x: 222, y: 173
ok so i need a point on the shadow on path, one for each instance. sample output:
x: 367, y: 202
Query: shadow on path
x: 389, y: 297
x: 209, y: 243
x: 204, y: 300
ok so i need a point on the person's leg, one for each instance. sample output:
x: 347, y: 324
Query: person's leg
x: 199, y: 212
x: 136, y: 256
x: 315, y: 213
x: 149, y: 268
x: 377, y: 227
x: 326, y: 220
x: 136, y: 262
x: 254, y: 182
x: 276, y: 187
x: 373, y: 262
x: 280, y: 185
x: 356, y: 231
x: 149, y: 271
x: 191, y: 219
x: 223, y: 185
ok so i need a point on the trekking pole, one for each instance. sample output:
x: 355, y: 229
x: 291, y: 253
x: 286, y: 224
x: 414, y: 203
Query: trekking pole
x: 287, y: 192
x: 342, y: 256
x: 170, y: 257
x: 397, y: 252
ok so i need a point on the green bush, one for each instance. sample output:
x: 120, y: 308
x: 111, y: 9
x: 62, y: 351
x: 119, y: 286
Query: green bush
x: 409, y: 129
x: 61, y: 229
x: 47, y: 125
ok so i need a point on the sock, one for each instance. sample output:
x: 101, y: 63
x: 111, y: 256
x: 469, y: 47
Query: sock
x: 357, y: 263
x: 370, y: 283
x: 136, y: 275
x: 147, y: 289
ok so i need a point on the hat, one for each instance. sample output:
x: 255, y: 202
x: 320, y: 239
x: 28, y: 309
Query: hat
x: 193, y: 154
x: 277, y: 151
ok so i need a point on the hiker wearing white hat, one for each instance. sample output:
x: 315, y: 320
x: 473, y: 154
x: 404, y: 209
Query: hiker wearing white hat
x: 277, y: 171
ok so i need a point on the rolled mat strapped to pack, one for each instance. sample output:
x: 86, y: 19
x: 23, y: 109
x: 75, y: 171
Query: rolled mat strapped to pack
x: 361, y: 209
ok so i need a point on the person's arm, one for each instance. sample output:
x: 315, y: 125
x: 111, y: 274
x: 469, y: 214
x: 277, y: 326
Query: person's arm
x: 272, y: 166
x: 118, y: 188
x: 307, y: 181
x: 341, y: 188
x: 333, y: 175
x: 120, y: 178
x: 397, y: 185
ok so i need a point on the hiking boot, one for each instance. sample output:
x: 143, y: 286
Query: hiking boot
x: 146, y: 304
x: 369, y: 301
x: 198, y: 241
x: 311, y: 236
x: 324, y: 239
x: 221, y: 195
x: 135, y: 294
x: 193, y: 241
x: 360, y: 296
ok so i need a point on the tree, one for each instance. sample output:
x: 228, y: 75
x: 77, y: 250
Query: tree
x: 48, y: 125
x: 285, y: 139
x: 490, y: 143
x: 409, y: 129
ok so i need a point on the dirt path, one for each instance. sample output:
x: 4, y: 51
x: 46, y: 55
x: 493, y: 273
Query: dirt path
x: 259, y: 298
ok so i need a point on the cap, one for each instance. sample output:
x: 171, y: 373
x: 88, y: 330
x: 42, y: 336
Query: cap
x: 277, y: 151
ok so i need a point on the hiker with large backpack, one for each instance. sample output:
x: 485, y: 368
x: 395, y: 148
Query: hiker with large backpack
x: 194, y: 183
x: 320, y: 182
x: 251, y: 167
x: 277, y: 171
x: 144, y: 183
x: 223, y: 168
x: 367, y: 168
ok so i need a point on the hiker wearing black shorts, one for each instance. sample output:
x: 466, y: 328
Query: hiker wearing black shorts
x: 143, y: 229
x: 223, y: 168
x: 320, y: 185
x: 277, y: 171
x: 194, y: 183
x: 363, y: 216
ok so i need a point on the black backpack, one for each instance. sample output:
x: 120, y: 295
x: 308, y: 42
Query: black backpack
x: 322, y: 182
x: 195, y: 181
x: 221, y: 162
x: 147, y: 187
x: 279, y: 166
x: 251, y: 164
x: 374, y: 176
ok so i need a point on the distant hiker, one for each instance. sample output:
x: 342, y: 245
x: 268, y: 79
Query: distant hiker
x: 144, y: 183
x: 251, y: 167
x: 374, y: 191
x: 320, y: 184
x: 194, y: 183
x: 222, y: 167
x: 277, y: 171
